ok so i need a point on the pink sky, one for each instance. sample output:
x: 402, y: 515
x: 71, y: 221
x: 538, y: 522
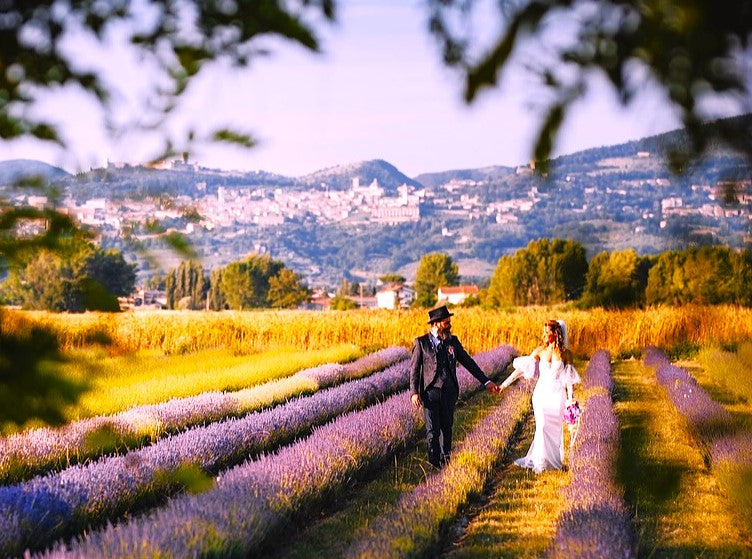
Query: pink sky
x: 379, y: 90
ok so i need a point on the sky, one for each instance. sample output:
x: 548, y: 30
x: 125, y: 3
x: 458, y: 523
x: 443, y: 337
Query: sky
x: 378, y: 90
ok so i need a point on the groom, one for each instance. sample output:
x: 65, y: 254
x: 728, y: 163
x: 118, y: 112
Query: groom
x: 433, y: 381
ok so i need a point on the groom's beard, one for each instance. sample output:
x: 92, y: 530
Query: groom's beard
x: 444, y: 333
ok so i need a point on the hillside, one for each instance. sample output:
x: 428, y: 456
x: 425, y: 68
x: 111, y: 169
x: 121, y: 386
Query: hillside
x: 341, y: 176
x: 608, y: 198
x: 481, y: 174
x: 14, y: 169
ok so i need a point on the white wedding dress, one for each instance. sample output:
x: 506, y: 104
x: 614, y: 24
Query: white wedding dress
x: 549, y: 398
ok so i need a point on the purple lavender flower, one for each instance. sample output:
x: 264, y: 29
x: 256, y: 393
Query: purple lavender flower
x: 109, y: 487
x: 39, y: 450
x: 597, y: 522
x: 654, y: 357
x: 256, y: 500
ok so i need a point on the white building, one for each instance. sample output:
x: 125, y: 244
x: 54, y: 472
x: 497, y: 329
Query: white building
x: 456, y: 295
x: 394, y: 296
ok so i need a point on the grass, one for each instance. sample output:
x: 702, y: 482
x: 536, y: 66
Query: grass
x: 147, y: 377
x: 330, y: 534
x: 519, y: 517
x: 679, y: 508
x: 731, y: 370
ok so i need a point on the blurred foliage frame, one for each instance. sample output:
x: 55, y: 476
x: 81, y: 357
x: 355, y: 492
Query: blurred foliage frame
x: 691, y: 49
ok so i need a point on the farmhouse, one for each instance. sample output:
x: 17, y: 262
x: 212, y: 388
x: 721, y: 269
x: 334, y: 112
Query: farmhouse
x: 395, y: 296
x: 456, y: 295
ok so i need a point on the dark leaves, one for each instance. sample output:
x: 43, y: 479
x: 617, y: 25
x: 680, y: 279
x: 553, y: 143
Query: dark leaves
x: 232, y: 137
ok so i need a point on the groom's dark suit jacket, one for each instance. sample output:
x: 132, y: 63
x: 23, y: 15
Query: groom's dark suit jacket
x: 423, y: 363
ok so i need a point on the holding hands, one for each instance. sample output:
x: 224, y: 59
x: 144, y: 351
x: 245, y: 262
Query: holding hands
x: 415, y: 400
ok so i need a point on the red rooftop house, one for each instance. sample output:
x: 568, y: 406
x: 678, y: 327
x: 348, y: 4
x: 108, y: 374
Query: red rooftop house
x: 456, y: 294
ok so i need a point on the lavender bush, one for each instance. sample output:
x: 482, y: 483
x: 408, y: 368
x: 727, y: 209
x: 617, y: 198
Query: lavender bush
x: 40, y: 450
x: 413, y: 525
x: 257, y: 500
x: 596, y: 522
x: 708, y: 419
x: 44, y: 508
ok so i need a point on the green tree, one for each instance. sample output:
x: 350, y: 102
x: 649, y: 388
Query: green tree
x: 392, y: 278
x: 616, y: 279
x: 78, y: 277
x: 186, y: 286
x: 44, y: 283
x: 434, y: 270
x: 342, y: 303
x: 216, y: 297
x: 101, y: 276
x: 692, y: 49
x: 705, y: 275
x: 286, y: 290
x: 109, y: 269
x: 260, y: 281
x: 347, y: 287
x: 545, y: 272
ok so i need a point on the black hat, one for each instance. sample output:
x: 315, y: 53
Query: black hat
x: 435, y: 315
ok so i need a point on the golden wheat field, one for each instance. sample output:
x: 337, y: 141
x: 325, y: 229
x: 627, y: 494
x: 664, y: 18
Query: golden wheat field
x: 286, y: 434
x: 622, y: 332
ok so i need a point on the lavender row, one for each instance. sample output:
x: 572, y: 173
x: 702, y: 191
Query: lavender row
x: 412, y: 527
x: 255, y: 501
x: 596, y: 522
x: 37, y: 512
x: 41, y: 450
x: 710, y: 421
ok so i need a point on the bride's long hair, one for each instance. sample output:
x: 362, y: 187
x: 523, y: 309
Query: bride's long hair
x: 559, y: 341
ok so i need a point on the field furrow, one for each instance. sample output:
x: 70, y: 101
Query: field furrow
x: 559, y: 514
x: 413, y: 526
x: 678, y: 507
x: 726, y: 441
x: 38, y: 451
x: 254, y: 502
x: 37, y: 512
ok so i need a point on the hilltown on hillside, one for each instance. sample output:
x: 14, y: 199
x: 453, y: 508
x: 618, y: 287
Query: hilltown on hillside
x: 347, y: 223
x: 265, y: 206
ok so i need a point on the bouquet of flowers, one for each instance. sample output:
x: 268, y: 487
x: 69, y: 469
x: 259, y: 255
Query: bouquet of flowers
x: 572, y: 412
x: 571, y: 416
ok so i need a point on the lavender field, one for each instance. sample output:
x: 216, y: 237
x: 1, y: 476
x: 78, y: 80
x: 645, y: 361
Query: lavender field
x: 330, y: 462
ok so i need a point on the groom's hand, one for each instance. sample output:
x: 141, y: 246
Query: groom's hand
x: 493, y: 387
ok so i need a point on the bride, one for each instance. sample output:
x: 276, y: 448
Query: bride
x: 552, y: 362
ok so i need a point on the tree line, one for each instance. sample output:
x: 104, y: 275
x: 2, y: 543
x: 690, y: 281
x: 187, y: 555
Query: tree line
x: 83, y: 277
x: 256, y: 281
x: 556, y: 271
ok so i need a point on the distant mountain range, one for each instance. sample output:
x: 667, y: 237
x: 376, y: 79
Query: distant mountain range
x: 152, y: 181
x: 14, y: 170
x: 607, y: 198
